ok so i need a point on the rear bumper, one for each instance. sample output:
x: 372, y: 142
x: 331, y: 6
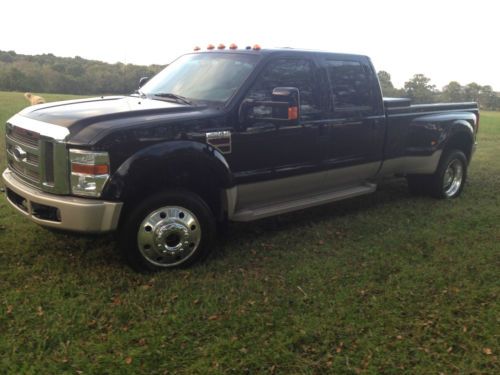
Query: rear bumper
x: 61, y: 212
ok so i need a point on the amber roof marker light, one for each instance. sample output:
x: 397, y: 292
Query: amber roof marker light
x: 221, y: 46
x: 197, y: 48
x: 256, y: 47
x: 233, y: 46
x: 210, y: 47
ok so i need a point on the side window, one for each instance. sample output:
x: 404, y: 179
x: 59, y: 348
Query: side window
x: 350, y: 85
x: 289, y: 73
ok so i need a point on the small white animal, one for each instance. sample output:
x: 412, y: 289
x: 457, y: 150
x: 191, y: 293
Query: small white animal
x: 34, y: 99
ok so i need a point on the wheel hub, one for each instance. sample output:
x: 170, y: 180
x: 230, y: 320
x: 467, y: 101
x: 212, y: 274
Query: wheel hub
x: 171, y: 238
x: 168, y: 236
x: 453, y: 178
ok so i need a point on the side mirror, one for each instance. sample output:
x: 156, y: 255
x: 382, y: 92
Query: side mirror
x: 143, y: 81
x: 284, y: 108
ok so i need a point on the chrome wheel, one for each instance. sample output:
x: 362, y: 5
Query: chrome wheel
x: 453, y: 178
x: 169, y: 236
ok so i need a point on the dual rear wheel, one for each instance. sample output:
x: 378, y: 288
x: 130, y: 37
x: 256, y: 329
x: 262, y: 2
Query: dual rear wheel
x: 447, y: 182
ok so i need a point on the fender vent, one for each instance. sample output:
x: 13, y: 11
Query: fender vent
x: 220, y: 140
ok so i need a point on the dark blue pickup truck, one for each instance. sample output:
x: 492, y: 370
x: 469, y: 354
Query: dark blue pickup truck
x: 227, y: 134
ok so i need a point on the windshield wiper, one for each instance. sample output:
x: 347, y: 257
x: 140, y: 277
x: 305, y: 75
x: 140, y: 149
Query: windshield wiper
x: 169, y: 95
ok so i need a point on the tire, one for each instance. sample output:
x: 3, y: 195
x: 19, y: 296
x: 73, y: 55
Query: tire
x: 449, y: 179
x: 168, y: 230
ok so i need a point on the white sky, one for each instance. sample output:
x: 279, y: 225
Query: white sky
x: 443, y: 39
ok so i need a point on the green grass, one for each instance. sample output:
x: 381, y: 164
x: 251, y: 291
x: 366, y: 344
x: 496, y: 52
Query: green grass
x: 385, y: 283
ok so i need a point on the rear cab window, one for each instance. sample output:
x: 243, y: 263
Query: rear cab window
x: 351, y: 87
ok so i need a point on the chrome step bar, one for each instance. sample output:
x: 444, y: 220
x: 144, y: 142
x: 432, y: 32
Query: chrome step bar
x: 260, y: 212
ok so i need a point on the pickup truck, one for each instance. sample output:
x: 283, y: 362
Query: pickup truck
x: 227, y: 135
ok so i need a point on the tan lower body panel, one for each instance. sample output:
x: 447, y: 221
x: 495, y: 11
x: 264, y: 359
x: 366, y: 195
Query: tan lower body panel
x: 73, y: 214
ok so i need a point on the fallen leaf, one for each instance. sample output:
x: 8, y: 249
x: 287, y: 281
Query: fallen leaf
x: 128, y: 360
x: 10, y: 308
x: 39, y: 311
x: 142, y: 342
x: 487, y: 351
x: 399, y: 337
x: 213, y: 317
x: 244, y: 350
x: 321, y: 242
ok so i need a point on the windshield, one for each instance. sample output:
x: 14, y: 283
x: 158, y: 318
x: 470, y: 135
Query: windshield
x: 209, y: 77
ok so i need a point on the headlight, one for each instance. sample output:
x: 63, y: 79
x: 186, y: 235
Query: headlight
x: 89, y: 172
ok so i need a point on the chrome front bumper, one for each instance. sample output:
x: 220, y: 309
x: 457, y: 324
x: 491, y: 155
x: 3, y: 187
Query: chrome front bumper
x: 61, y: 212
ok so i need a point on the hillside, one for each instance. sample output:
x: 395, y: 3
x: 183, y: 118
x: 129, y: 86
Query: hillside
x: 67, y: 75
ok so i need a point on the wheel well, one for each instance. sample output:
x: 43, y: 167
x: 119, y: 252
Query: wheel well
x: 461, y: 141
x: 195, y: 178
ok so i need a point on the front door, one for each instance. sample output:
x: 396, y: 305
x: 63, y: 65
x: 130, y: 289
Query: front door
x: 277, y: 161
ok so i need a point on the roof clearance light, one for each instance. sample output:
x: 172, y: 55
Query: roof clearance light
x: 210, y: 47
x: 233, y: 46
x: 256, y: 47
x: 197, y: 48
x: 221, y: 46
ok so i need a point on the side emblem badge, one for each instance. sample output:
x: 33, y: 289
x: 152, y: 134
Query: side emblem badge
x: 220, y: 140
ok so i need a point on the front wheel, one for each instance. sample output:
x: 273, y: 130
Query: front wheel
x: 449, y: 179
x: 167, y: 230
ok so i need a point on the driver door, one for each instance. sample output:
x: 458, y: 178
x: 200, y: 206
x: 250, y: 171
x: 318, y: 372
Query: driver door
x: 274, y: 160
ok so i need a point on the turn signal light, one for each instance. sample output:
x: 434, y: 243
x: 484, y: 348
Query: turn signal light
x: 293, y: 113
x: 93, y: 169
x: 210, y: 47
x: 221, y: 46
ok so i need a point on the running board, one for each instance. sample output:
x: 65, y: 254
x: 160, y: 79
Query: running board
x: 255, y: 213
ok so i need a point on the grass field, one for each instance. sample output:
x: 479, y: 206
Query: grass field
x: 381, y: 284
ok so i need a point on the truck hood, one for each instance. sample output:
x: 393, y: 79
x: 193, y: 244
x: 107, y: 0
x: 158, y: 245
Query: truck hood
x: 70, y: 113
x: 86, y: 119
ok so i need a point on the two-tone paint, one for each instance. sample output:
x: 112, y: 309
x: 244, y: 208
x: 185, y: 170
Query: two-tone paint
x: 155, y: 144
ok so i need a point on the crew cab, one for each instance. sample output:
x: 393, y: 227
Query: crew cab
x: 227, y: 135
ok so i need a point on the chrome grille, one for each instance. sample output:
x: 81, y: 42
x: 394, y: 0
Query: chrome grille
x: 37, y: 155
x: 24, y: 136
x: 25, y: 173
x: 23, y: 153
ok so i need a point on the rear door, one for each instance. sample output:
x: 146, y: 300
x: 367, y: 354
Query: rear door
x: 355, y: 120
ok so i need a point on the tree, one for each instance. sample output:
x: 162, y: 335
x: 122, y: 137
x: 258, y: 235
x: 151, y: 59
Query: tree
x: 487, y: 98
x: 386, y: 85
x: 472, y: 92
x: 452, y: 92
x: 420, y: 90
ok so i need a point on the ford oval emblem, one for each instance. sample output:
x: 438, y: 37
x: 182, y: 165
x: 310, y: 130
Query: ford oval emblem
x: 19, y: 154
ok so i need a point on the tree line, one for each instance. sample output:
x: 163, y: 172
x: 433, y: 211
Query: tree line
x: 420, y: 90
x: 76, y: 75
x: 68, y: 75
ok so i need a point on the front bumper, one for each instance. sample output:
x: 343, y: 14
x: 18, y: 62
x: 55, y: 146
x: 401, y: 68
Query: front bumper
x: 61, y: 212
